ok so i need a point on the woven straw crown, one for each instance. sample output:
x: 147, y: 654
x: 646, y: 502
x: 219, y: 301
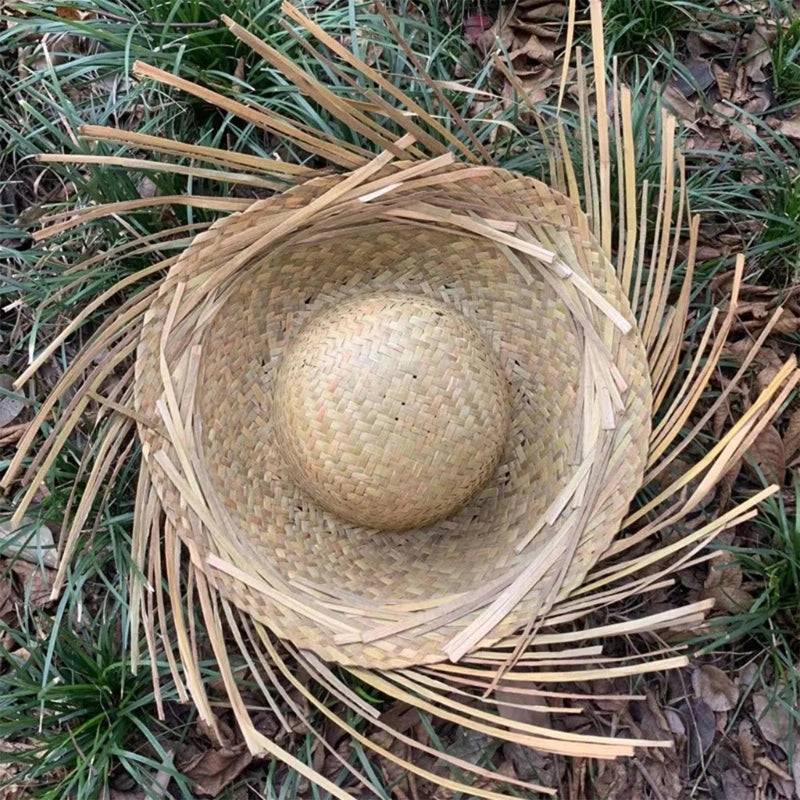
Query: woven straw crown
x: 390, y: 410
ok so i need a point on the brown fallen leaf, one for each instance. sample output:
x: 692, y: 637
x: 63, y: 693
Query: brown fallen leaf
x: 68, y: 12
x: 475, y: 25
x: 500, y: 33
x: 521, y: 708
x: 158, y: 789
x: 791, y: 436
x: 6, y: 599
x: 31, y: 542
x: 758, y: 56
x: 746, y: 747
x: 701, y: 727
x: 734, y: 787
x: 546, y: 10
x: 788, y: 323
x: 534, y: 49
x: 146, y: 188
x: 238, y: 73
x: 36, y: 583
x: 791, y: 127
x: 221, y: 735
x: 724, y: 584
x: 773, y: 718
x: 678, y: 104
x: 715, y: 688
x: 796, y: 768
x: 212, y: 770
x: 776, y: 769
x: 723, y: 80
x: 768, y: 453
x: 727, y: 483
x: 764, y: 377
x: 675, y: 722
x: 778, y: 727
x: 10, y: 407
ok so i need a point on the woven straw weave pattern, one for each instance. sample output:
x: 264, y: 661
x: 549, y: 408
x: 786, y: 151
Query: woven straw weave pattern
x: 372, y: 598
x: 390, y: 410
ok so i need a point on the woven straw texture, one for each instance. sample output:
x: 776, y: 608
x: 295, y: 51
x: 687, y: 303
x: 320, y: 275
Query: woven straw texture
x: 391, y: 410
x: 553, y: 410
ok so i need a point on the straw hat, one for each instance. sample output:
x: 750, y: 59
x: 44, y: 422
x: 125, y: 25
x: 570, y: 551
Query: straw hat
x: 413, y: 410
x: 394, y: 417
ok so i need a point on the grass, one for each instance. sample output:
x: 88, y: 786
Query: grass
x: 90, y: 713
x: 647, y: 27
x: 74, y: 695
x: 771, y: 562
x: 67, y: 693
x: 785, y: 55
x: 766, y: 636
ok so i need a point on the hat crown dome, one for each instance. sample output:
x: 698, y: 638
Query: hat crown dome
x: 391, y: 410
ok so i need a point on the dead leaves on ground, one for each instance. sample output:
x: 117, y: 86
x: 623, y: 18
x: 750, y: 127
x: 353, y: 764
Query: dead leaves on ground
x: 777, y: 448
x: 779, y: 726
x: 724, y: 585
x: 728, y: 740
x: 533, y: 37
x: 212, y: 770
x: 715, y: 688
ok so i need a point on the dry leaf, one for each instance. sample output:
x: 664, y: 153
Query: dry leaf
x: 678, y: 104
x: 544, y: 10
x: 68, y: 12
x: 220, y: 736
x: 36, y: 583
x: 475, y: 25
x: 701, y: 724
x: 724, y: 584
x: 76, y: 14
x: 746, y: 747
x: 788, y: 323
x: 777, y: 726
x: 6, y: 601
x: 734, y: 787
x: 10, y: 407
x: 212, y: 770
x: 517, y: 707
x: 715, y: 688
x: 791, y: 436
x: 146, y: 188
x: 773, y: 719
x: 791, y: 127
x: 768, y: 453
x: 727, y: 483
x: 159, y: 789
x: 758, y: 55
x: 32, y: 542
x: 499, y: 31
x: 764, y: 377
x: 535, y: 50
x: 723, y: 80
x: 675, y: 722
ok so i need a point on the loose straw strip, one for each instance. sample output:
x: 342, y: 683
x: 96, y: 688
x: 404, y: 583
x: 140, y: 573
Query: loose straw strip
x: 225, y: 158
x: 143, y: 164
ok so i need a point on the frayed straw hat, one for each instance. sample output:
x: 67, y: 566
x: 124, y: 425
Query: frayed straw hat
x: 393, y: 418
x: 409, y: 407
